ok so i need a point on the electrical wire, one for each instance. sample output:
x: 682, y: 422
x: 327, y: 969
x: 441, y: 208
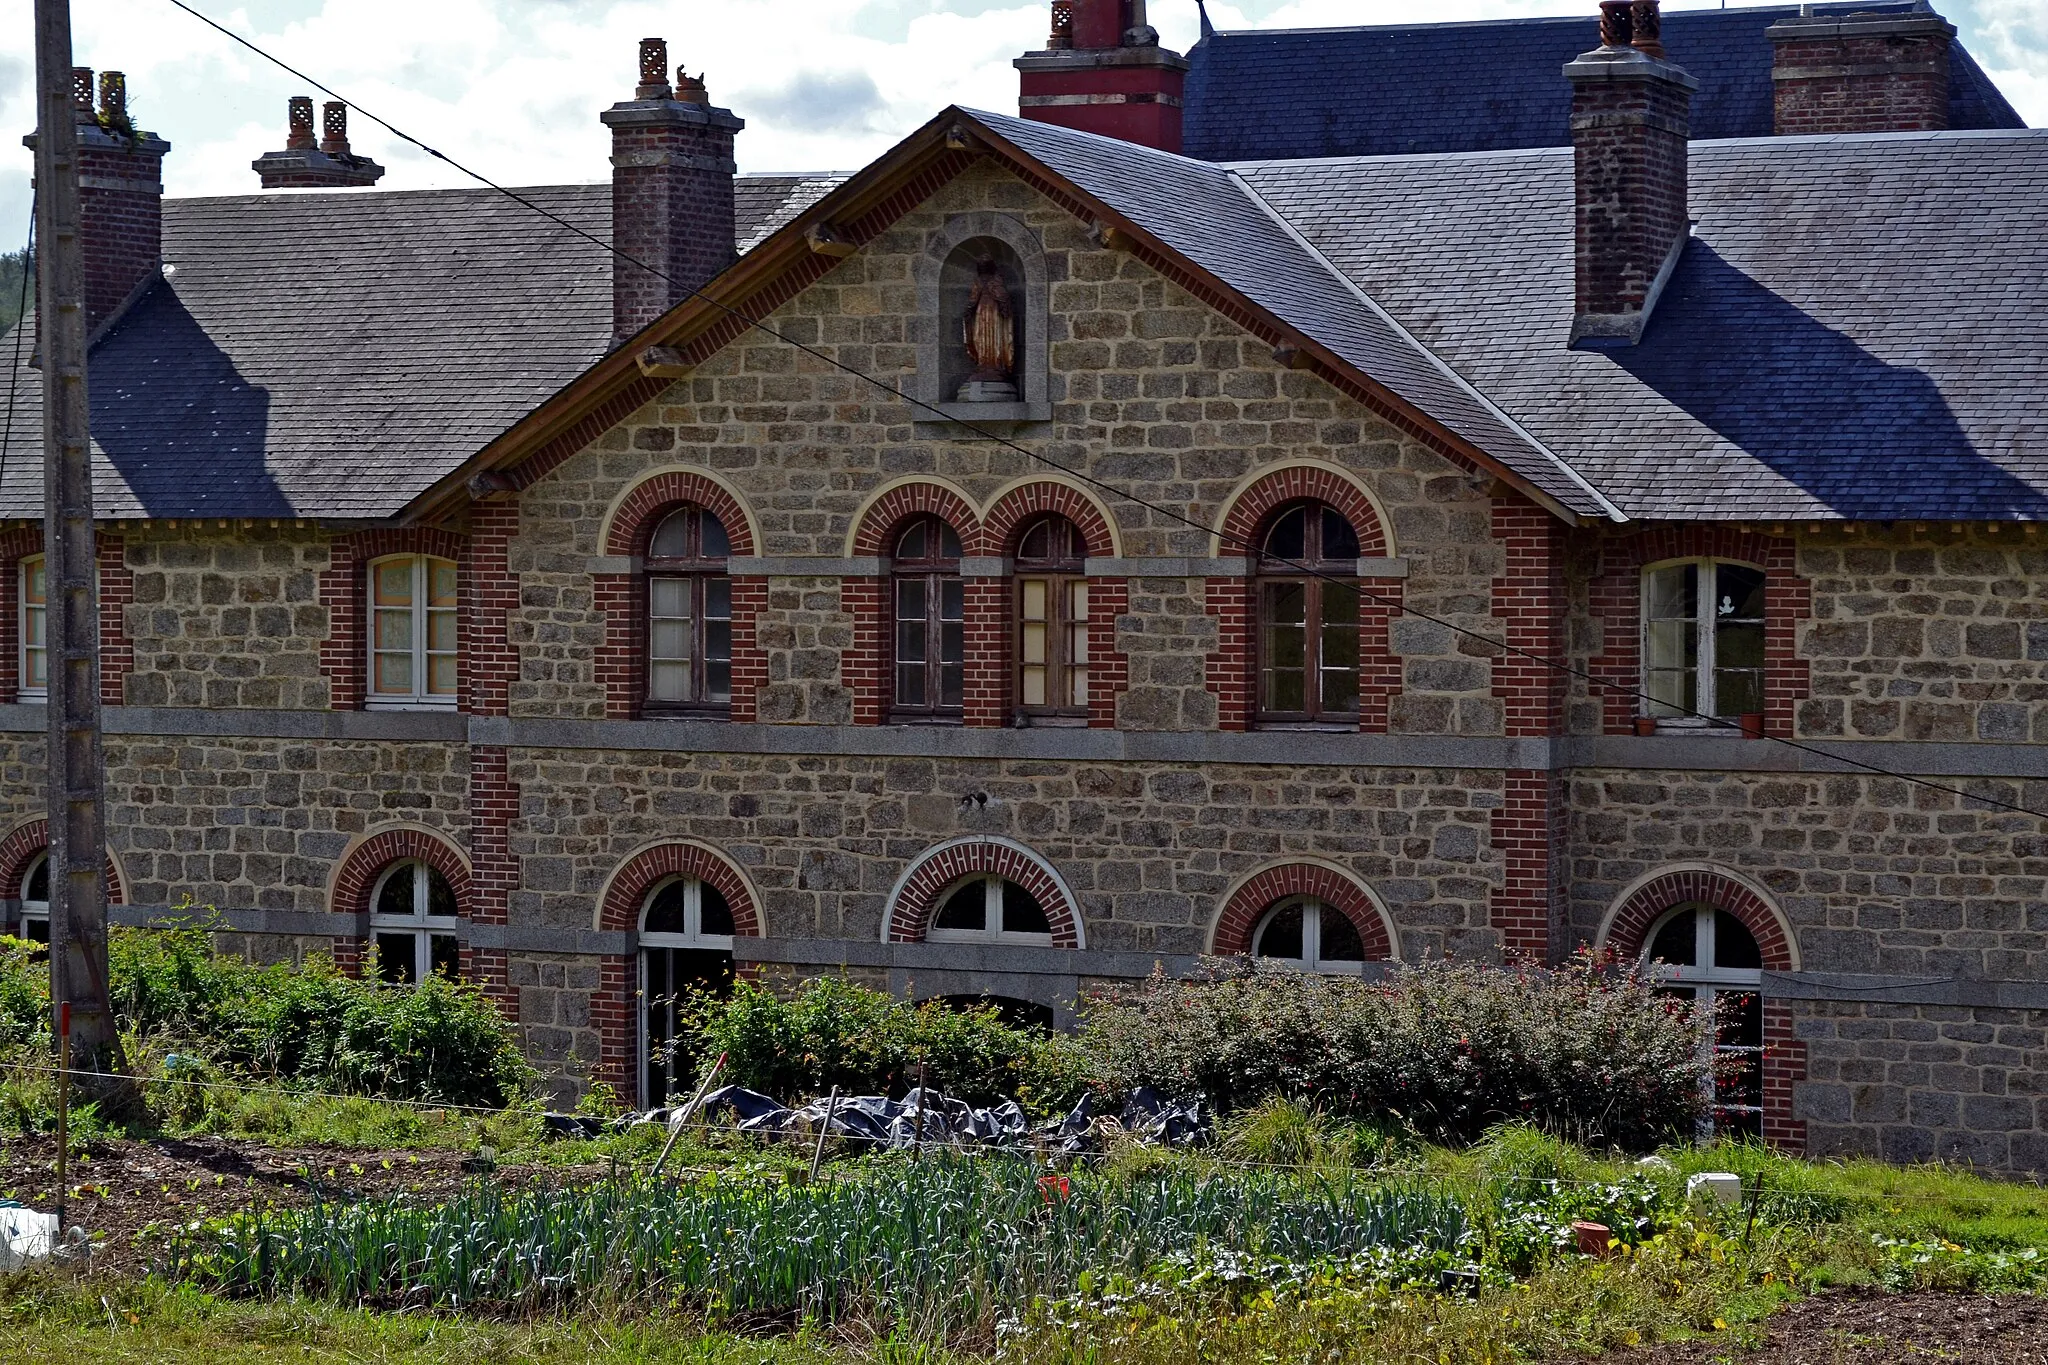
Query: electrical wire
x: 28, y: 255
x: 1599, y: 685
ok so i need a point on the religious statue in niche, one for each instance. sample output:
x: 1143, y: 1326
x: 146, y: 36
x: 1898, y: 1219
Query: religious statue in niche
x: 990, y: 333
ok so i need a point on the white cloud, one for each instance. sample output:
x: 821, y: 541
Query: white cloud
x: 514, y: 87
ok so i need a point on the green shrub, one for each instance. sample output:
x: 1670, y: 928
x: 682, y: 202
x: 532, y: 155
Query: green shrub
x: 1448, y: 1050
x: 830, y: 1032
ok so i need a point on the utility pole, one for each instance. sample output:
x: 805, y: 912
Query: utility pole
x: 74, y: 770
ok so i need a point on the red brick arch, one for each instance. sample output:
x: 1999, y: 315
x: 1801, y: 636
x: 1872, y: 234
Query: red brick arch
x: 876, y: 532
x: 641, y: 511
x: 1247, y: 515
x: 357, y: 876
x: 20, y: 848
x: 1628, y: 928
x: 1248, y: 905
x: 622, y: 667
x: 649, y: 867
x: 918, y: 896
x: 1025, y: 504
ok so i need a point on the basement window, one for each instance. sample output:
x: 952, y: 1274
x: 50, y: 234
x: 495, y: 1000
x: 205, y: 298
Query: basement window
x: 413, y: 925
x: 1308, y: 935
x: 985, y: 908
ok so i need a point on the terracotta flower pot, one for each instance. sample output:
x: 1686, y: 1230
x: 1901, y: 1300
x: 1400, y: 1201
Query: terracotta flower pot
x: 1595, y: 1239
x: 1646, y: 725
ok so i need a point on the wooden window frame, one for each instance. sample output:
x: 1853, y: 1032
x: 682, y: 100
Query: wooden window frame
x: 26, y: 611
x: 1313, y: 572
x: 420, y: 925
x: 992, y: 930
x: 1063, y: 575
x: 700, y: 573
x: 32, y: 912
x: 1706, y: 668
x: 936, y: 572
x: 420, y: 653
x: 692, y: 939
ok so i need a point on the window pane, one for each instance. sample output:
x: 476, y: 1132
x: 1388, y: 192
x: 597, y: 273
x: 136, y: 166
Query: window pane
x: 397, y: 896
x: 441, y: 632
x: 668, y: 682
x: 1289, y: 537
x: 1738, y: 593
x: 1281, y: 937
x: 394, y: 630
x: 665, y: 912
x: 1738, y: 692
x: 441, y: 583
x: 952, y: 642
x: 37, y: 887
x: 35, y: 586
x: 949, y: 542
x: 440, y: 896
x: 717, y: 545
x: 393, y: 675
x: 445, y: 955
x: 672, y: 537
x: 1341, y: 942
x: 668, y: 596
x: 718, y: 599
x: 1022, y: 914
x: 718, y: 660
x: 1283, y: 647
x: 394, y: 583
x: 1734, y: 945
x: 713, y: 910
x: 1034, y: 598
x: 910, y: 642
x: 1034, y: 642
x: 1076, y: 641
x: 1339, y: 540
x: 966, y: 908
x: 36, y: 930
x: 1672, y: 593
x: 912, y: 543
x: 1032, y: 685
x: 1339, y: 649
x: 441, y: 675
x: 1677, y: 943
x: 670, y: 640
x: 395, y: 958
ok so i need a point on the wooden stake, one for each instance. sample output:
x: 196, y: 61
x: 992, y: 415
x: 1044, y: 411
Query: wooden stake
x: 675, y: 1130
x: 818, y: 1152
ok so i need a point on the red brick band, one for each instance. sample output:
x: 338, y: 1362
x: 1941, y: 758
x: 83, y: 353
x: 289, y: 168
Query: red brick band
x: 20, y: 848
x: 653, y: 498
x: 919, y: 899
x: 1241, y: 916
x: 1023, y: 505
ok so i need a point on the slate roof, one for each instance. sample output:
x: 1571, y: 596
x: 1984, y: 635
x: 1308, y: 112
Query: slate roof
x: 1490, y: 86
x: 332, y: 355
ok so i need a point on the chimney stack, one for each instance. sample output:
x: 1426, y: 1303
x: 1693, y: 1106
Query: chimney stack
x: 672, y: 197
x: 303, y: 165
x: 1631, y: 119
x: 1861, y: 73
x: 120, y: 196
x: 1103, y: 71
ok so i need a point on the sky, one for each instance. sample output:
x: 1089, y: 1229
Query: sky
x: 514, y: 87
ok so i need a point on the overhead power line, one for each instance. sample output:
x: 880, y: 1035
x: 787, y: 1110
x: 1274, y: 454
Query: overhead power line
x: 1561, y: 666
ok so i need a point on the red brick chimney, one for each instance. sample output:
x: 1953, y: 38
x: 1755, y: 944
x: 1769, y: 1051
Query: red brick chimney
x: 120, y: 196
x: 1103, y: 71
x: 672, y: 201
x: 304, y: 166
x: 1631, y: 117
x: 1861, y: 73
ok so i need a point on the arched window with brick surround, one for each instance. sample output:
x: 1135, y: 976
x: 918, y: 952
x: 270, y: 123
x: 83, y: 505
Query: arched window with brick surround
x: 1048, y: 654
x: 689, y: 615
x: 1309, y: 916
x: 983, y: 889
x: 408, y: 891
x: 1709, y: 935
x: 1053, y: 621
x: 928, y: 620
x: 686, y: 933
x: 25, y: 880
x: 1306, y: 599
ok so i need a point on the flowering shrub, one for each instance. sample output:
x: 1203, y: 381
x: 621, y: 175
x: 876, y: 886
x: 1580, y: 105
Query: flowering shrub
x: 1588, y: 1050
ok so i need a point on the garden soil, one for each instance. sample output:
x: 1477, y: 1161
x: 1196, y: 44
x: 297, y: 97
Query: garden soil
x: 1871, y: 1329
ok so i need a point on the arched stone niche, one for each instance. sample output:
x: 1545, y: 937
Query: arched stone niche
x: 945, y: 280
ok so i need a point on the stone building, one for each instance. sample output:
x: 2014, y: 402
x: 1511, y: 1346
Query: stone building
x: 1039, y: 557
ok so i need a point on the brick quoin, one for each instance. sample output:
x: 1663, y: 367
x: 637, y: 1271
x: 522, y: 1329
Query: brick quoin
x: 1232, y: 665
x: 910, y: 918
x: 345, y: 592
x: 1527, y: 830
x: 1784, y: 1054
x: 1240, y: 918
x: 613, y: 1007
x: 868, y: 669
x: 21, y: 846
x: 357, y: 878
x: 622, y: 598
x: 1615, y: 599
x: 117, y: 594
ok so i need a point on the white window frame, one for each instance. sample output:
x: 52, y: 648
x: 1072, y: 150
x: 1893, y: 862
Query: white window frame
x: 692, y: 939
x: 24, y: 613
x: 1708, y: 983
x: 1311, y: 959
x: 992, y: 930
x: 419, y: 699
x: 38, y: 911
x: 421, y: 926
x: 1705, y: 666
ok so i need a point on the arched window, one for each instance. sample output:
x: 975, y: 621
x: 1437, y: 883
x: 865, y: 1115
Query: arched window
x: 1708, y: 955
x: 689, y: 614
x: 930, y: 622
x: 1305, y: 933
x: 1052, y: 620
x: 1703, y: 642
x: 686, y: 933
x: 1308, y: 625
x: 413, y: 924
x: 987, y: 908
x: 35, y: 900
x: 33, y: 630
x: 413, y: 638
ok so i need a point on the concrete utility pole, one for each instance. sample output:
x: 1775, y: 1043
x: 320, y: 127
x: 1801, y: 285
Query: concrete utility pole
x: 75, y: 772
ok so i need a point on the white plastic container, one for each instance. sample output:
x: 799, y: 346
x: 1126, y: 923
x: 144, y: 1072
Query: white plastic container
x: 1722, y: 1187
x: 26, y: 1237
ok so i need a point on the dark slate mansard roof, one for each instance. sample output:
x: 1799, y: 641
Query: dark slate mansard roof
x: 1858, y: 329
x: 332, y: 355
x: 1489, y: 86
